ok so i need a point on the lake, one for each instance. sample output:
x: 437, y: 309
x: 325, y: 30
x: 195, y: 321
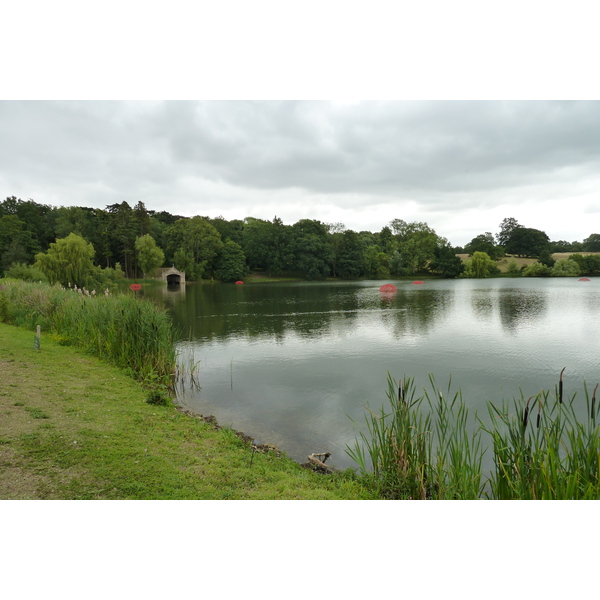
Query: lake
x: 293, y: 364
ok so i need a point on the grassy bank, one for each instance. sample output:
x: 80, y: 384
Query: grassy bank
x: 127, y: 331
x: 74, y: 427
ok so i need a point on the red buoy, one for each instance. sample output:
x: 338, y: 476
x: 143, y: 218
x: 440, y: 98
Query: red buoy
x: 418, y: 282
x: 388, y: 288
x: 239, y: 283
x: 136, y: 287
x: 584, y: 279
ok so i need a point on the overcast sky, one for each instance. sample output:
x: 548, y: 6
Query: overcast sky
x: 461, y: 167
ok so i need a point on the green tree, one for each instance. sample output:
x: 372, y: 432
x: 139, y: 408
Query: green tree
x: 415, y: 244
x: 68, y: 261
x: 507, y: 226
x: 73, y: 219
x: 142, y: 218
x: 149, y: 255
x: 376, y: 264
x: 17, y: 244
x: 231, y: 264
x: 335, y: 234
x: 38, y: 219
x: 102, y: 237
x: 485, y: 243
x: 124, y: 230
x: 193, y: 245
x: 268, y: 245
x: 524, y: 241
x: 386, y: 240
x: 311, y: 249
x: 349, y: 255
x: 232, y: 230
x: 257, y: 243
x: 564, y: 246
x: 592, y: 243
x: 446, y: 263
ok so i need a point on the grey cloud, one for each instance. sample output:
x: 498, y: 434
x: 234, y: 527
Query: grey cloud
x: 383, y: 148
x: 440, y: 155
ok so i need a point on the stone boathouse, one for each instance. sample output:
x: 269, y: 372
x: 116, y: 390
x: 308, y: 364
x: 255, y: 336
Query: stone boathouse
x: 171, y: 275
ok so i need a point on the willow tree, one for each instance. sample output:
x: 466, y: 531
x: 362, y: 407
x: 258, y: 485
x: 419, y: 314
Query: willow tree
x: 68, y: 261
x: 480, y: 265
x: 149, y: 255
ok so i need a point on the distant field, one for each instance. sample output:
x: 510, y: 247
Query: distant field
x: 503, y: 263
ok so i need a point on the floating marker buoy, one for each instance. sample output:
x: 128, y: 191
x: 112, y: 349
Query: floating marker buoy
x: 584, y: 279
x: 136, y: 287
x: 388, y: 288
x: 418, y: 282
x: 239, y: 283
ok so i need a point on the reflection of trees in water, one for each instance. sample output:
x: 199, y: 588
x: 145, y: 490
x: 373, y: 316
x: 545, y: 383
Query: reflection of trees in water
x: 220, y: 311
x: 518, y: 307
x: 209, y: 312
x: 482, y: 302
x: 420, y: 310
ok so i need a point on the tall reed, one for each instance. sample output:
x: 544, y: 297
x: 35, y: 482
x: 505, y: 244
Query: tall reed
x: 420, y: 447
x: 549, y: 448
x: 543, y: 447
x: 130, y: 332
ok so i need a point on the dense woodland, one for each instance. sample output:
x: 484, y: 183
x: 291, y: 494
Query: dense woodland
x: 125, y: 241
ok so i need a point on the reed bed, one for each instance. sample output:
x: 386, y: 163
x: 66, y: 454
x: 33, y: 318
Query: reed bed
x: 432, y: 447
x: 130, y: 332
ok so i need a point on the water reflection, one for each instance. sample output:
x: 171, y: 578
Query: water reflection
x: 220, y: 312
x: 482, y: 302
x: 417, y: 311
x: 289, y: 363
x: 521, y: 307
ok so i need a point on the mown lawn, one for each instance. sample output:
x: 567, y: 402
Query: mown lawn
x: 72, y: 427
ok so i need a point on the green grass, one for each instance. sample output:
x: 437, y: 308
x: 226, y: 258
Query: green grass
x: 73, y: 427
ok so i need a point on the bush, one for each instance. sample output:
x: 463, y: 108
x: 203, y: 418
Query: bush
x: 25, y: 273
x: 537, y: 269
x: 589, y: 264
x: 565, y: 268
x: 513, y: 268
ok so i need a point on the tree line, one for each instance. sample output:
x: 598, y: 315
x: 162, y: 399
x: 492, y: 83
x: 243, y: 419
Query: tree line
x: 121, y: 240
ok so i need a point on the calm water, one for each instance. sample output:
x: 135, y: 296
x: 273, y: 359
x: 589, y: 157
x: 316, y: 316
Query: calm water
x: 291, y: 363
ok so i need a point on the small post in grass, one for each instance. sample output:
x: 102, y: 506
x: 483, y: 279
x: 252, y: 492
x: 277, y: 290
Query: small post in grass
x: 36, y: 339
